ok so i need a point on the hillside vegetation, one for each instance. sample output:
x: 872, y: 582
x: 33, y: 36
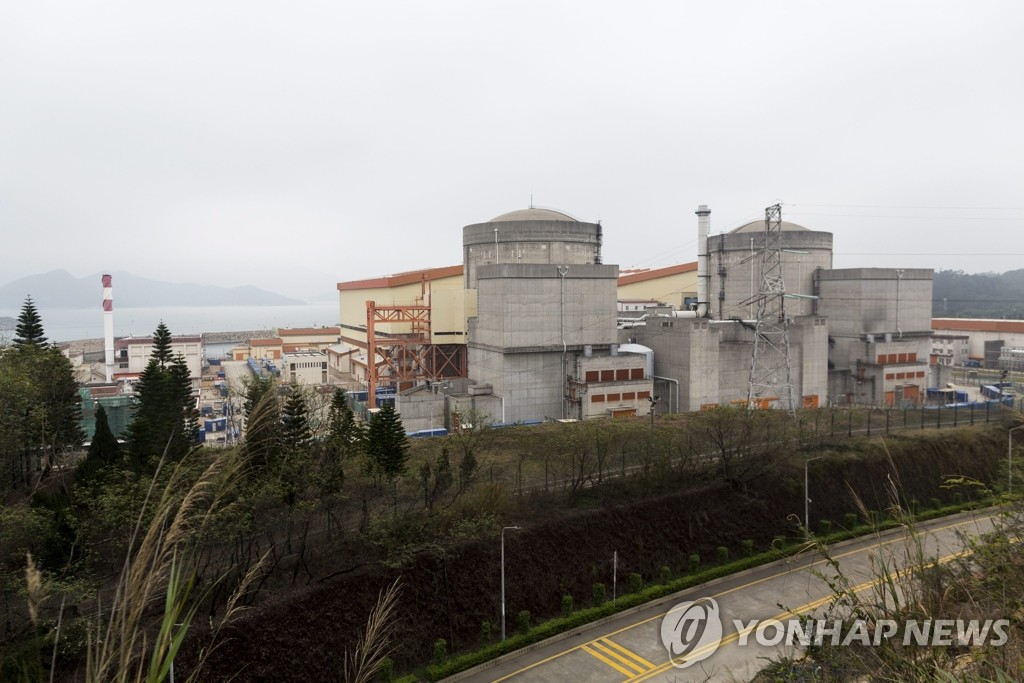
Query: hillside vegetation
x: 956, y: 294
x: 321, y: 546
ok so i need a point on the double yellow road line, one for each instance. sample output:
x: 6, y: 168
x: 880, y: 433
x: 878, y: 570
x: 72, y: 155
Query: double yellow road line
x: 623, y: 660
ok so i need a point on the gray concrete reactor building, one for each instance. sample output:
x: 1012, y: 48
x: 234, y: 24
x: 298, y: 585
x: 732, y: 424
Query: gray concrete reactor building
x: 546, y: 318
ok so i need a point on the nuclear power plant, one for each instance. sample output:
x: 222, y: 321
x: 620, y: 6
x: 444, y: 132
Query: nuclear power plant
x: 530, y: 327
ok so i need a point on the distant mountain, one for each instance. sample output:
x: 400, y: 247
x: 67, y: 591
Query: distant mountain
x: 60, y: 289
x: 956, y: 294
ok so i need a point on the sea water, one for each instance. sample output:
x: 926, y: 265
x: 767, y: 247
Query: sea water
x: 69, y: 324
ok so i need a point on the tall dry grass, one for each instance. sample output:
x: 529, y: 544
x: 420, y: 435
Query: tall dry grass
x: 909, y: 582
x: 364, y: 660
x: 136, y: 640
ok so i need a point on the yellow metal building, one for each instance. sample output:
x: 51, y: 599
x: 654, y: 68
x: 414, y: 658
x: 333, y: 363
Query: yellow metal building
x: 669, y: 285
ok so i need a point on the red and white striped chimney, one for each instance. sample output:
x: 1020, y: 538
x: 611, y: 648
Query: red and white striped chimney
x: 108, y: 326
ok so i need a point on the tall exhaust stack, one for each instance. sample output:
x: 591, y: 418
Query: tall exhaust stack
x: 703, y: 276
x: 108, y: 327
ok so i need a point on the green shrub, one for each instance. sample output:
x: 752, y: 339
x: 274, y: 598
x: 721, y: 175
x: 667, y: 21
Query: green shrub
x: 936, y: 503
x: 635, y: 582
x: 748, y: 546
x: 694, y: 560
x: 440, y: 651
x: 825, y: 526
x: 851, y: 520
x: 486, y: 631
x: 778, y: 543
x: 566, y: 605
x: 665, y: 574
x: 599, y: 594
x: 722, y: 553
x: 387, y: 670
x: 523, y: 621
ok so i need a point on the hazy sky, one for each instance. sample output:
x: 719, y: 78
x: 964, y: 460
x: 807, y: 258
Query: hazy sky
x: 295, y: 145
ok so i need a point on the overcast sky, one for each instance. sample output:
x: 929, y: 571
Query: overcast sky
x: 295, y: 145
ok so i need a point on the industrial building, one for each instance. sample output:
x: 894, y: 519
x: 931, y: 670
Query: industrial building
x: 132, y: 354
x: 304, y: 367
x: 851, y: 335
x: 986, y: 338
x: 950, y: 350
x: 879, y: 327
x: 544, y: 335
x: 551, y: 332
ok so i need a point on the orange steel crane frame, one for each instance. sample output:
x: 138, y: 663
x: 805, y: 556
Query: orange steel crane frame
x: 408, y: 356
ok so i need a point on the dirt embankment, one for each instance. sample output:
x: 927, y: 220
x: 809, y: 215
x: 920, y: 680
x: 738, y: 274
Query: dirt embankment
x: 449, y: 594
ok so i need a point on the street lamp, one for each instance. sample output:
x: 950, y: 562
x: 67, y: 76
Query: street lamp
x: 503, y: 530
x: 807, y: 497
x: 1009, y: 459
x: 654, y: 402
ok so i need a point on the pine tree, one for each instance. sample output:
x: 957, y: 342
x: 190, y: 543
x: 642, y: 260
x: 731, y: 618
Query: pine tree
x: 41, y: 402
x: 165, y: 416
x: 255, y: 389
x: 262, y: 422
x: 104, y: 451
x: 344, y: 434
x: 295, y: 432
x: 162, y: 341
x: 386, y: 446
x: 29, y: 331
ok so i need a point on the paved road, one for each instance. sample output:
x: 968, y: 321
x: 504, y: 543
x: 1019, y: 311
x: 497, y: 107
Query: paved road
x: 628, y: 647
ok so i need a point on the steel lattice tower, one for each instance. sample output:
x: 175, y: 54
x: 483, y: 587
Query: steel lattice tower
x: 770, y: 373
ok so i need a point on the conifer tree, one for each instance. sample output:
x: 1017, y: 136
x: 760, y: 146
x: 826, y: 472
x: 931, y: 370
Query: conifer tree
x: 162, y: 341
x: 386, y: 446
x: 295, y: 431
x: 262, y: 409
x: 165, y: 416
x: 104, y: 451
x: 344, y: 434
x: 41, y: 402
x: 29, y: 331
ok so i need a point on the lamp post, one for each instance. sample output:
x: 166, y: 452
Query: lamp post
x: 503, y: 530
x: 1009, y: 459
x: 807, y: 497
x: 654, y: 402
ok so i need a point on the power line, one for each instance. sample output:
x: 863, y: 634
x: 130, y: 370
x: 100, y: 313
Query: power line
x: 894, y: 206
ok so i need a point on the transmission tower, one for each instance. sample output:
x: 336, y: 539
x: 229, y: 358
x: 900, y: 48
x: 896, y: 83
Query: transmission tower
x: 770, y: 373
